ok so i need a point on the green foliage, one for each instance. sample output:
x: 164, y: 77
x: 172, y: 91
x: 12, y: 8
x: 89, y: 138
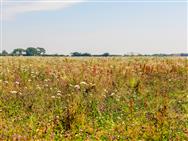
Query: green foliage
x: 31, y: 51
x: 80, y: 54
x: 18, y: 51
x: 106, y: 54
x: 41, y: 51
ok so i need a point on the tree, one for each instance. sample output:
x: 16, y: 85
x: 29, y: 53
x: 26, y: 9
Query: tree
x: 18, y: 51
x: 31, y: 51
x: 106, y: 54
x: 86, y: 54
x: 41, y: 51
x: 80, y: 54
x: 75, y: 54
x: 4, y: 53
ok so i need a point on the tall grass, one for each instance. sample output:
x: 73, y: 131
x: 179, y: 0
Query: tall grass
x: 93, y: 99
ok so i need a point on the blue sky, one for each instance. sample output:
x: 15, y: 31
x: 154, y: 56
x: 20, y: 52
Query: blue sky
x: 96, y: 27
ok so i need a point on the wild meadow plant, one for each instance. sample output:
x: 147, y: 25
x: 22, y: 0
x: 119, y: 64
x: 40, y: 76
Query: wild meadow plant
x: 135, y: 98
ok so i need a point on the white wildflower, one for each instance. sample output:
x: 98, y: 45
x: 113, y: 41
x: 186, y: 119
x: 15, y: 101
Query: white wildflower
x: 46, y: 85
x: 46, y: 80
x: 20, y: 93
x: 13, y: 92
x: 112, y: 94
x: 58, y: 94
x: 105, y: 90
x: 58, y: 91
x: 83, y: 83
x: 53, y: 97
x: 17, y: 82
x: 91, y: 83
x: 77, y: 87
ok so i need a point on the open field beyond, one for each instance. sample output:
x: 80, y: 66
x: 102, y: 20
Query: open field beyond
x: 93, y: 98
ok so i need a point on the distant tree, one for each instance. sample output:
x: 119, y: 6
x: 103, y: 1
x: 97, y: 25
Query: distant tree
x: 31, y: 51
x: 41, y: 51
x: 4, y: 53
x: 86, y: 54
x: 184, y: 54
x: 75, y: 54
x: 80, y: 54
x: 18, y: 51
x: 106, y: 54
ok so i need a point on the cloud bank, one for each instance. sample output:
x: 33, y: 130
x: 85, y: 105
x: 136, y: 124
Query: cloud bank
x: 10, y: 9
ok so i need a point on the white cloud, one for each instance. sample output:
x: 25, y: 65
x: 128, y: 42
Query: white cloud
x: 12, y: 9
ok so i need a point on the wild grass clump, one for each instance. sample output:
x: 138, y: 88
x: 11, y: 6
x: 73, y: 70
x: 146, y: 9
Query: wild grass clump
x: 93, y: 99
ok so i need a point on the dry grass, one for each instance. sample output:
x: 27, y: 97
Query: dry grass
x: 93, y: 99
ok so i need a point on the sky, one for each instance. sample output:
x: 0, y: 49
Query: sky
x: 117, y: 27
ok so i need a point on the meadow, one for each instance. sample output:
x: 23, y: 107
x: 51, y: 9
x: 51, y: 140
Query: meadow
x: 107, y: 99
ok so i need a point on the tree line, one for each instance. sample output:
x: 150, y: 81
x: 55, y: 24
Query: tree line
x: 39, y: 51
x: 30, y: 51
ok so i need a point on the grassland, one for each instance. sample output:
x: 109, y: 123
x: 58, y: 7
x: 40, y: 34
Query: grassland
x: 93, y: 99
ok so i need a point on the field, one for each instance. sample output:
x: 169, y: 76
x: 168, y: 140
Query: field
x: 108, y: 99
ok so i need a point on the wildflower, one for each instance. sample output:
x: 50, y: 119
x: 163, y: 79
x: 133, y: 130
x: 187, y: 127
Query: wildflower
x: 38, y: 87
x: 58, y: 91
x: 46, y: 80
x: 58, y: 94
x: 105, y: 90
x: 83, y: 83
x: 112, y: 94
x: 104, y: 95
x: 46, y: 85
x: 6, y: 82
x: 53, y: 97
x: 13, y: 92
x: 77, y: 87
x: 17, y: 82
x: 20, y: 93
x: 92, y: 84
